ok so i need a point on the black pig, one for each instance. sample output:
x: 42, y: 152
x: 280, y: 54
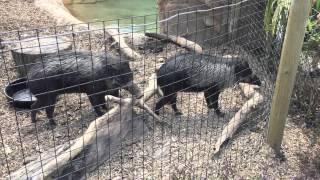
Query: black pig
x: 95, y: 75
x: 200, y: 73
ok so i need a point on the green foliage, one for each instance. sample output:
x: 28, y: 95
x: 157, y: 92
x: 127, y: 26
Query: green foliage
x: 276, y: 16
x: 312, y: 38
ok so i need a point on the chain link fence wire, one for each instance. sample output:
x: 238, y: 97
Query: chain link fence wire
x: 62, y: 74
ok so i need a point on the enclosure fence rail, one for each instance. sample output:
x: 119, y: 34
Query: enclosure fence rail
x: 290, y: 56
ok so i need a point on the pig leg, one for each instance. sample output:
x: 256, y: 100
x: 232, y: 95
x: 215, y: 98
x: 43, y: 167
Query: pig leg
x: 50, y: 109
x: 95, y: 93
x: 96, y: 103
x: 164, y: 100
x: 173, y: 103
x: 34, y: 109
x: 114, y: 92
x: 212, y: 99
x: 36, y: 106
x: 103, y: 104
x: 100, y: 100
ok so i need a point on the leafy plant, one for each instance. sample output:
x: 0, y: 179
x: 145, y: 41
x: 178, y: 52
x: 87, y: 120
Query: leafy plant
x: 276, y: 16
x: 312, y: 39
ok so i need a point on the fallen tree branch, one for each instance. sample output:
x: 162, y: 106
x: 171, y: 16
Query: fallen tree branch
x: 239, y: 117
x: 95, y: 139
x: 123, y: 46
x: 137, y: 102
x: 178, y: 40
x: 248, y: 89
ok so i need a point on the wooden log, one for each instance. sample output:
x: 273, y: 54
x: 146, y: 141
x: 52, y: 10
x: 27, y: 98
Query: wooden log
x: 35, y: 164
x: 180, y: 41
x: 248, y: 89
x: 124, y: 48
x: 29, y: 51
x: 239, y: 117
x: 290, y: 55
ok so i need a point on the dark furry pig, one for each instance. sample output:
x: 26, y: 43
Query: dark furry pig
x: 200, y: 73
x: 96, y: 75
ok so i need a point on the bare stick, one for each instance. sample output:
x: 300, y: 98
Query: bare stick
x: 148, y: 93
x: 138, y: 102
x: 238, y: 118
x: 117, y: 37
x: 148, y: 109
x: 248, y: 89
x: 152, y: 86
x: 178, y: 40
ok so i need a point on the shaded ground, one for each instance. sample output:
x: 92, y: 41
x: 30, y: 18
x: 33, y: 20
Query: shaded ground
x: 181, y: 151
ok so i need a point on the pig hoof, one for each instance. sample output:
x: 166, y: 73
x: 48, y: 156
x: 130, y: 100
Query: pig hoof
x: 219, y: 113
x: 52, y: 122
x: 178, y: 113
x: 50, y: 125
x: 99, y: 114
x: 157, y: 112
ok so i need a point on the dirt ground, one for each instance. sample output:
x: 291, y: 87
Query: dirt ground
x: 181, y: 152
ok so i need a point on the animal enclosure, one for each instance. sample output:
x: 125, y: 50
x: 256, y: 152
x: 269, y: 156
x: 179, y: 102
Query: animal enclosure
x: 160, y: 101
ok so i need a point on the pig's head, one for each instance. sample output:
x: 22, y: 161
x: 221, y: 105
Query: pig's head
x: 244, y: 74
x: 123, y: 77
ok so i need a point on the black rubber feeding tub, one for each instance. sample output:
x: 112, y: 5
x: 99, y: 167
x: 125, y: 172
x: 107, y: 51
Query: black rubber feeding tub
x: 19, y: 95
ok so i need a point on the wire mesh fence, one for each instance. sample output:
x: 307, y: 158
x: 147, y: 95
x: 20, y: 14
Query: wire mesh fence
x: 174, y: 105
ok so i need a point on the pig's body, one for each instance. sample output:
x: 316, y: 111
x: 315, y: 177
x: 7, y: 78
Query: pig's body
x: 200, y: 73
x: 95, y: 75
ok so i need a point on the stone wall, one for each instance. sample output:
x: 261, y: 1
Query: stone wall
x: 240, y: 23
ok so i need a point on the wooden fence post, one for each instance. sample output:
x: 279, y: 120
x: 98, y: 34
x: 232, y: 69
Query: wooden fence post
x: 290, y: 55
